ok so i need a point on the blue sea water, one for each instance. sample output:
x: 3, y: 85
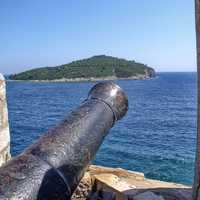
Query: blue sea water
x: 157, y: 136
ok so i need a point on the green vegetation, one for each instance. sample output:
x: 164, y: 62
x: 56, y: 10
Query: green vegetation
x: 96, y: 66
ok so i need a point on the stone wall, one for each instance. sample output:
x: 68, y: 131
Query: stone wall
x: 105, y: 183
x: 4, y: 126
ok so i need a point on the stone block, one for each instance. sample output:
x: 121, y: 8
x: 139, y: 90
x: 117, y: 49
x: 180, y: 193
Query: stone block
x: 4, y: 127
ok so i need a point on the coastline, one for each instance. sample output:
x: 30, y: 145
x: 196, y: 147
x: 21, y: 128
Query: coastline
x: 93, y: 79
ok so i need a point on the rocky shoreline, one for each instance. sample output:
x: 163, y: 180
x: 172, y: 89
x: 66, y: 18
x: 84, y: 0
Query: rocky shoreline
x: 108, y: 78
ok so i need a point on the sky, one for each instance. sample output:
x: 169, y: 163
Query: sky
x: 43, y: 33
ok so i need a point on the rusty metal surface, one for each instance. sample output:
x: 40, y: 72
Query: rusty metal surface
x: 53, y: 166
x: 113, y: 95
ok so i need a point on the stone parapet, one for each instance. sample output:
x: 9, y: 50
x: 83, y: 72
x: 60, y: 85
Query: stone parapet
x: 4, y: 126
x: 104, y: 183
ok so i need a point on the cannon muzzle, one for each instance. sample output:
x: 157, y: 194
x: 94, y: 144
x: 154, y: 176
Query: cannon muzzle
x: 51, y: 168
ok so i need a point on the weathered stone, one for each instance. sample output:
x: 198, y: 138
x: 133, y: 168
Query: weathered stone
x: 4, y: 127
x: 120, y: 184
x: 3, y: 115
x: 84, y: 188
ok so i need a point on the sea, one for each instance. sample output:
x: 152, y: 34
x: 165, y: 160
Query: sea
x: 156, y: 137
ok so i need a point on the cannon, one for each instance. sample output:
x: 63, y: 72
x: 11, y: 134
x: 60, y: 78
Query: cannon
x: 52, y: 167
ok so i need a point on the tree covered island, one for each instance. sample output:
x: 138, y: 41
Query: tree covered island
x: 100, y: 67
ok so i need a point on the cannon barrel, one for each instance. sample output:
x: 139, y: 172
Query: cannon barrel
x: 52, y: 167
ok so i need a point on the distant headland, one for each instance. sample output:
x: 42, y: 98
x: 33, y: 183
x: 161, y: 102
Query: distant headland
x: 96, y: 68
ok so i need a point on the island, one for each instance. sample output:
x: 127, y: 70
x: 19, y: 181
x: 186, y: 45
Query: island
x: 99, y: 67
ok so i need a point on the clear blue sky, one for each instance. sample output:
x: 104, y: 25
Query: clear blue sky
x: 41, y: 33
